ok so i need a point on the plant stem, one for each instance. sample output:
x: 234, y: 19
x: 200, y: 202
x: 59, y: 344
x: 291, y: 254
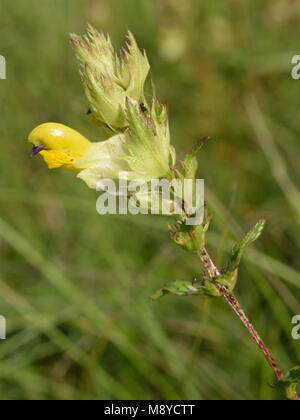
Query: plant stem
x: 234, y: 304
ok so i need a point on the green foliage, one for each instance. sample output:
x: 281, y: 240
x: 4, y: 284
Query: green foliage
x: 185, y: 288
x: 293, y: 375
x: 230, y: 278
x: 289, y: 386
x: 191, y: 238
x: 239, y: 249
x: 190, y: 162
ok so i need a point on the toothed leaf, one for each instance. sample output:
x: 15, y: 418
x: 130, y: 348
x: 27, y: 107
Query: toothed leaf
x: 252, y: 236
x: 187, y: 288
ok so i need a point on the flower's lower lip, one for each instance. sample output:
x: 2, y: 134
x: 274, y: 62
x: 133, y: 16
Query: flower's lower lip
x: 36, y: 150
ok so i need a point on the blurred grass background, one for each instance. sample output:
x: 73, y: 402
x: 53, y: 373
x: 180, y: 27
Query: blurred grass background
x: 75, y: 286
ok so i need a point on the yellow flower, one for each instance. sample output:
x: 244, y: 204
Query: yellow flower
x: 143, y: 152
x: 59, y: 145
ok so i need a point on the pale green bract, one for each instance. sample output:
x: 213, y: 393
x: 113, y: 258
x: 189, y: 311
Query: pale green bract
x: 109, y: 78
x: 142, y: 152
x: 139, y: 146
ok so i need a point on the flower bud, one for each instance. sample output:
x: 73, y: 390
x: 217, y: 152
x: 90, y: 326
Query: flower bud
x: 109, y: 78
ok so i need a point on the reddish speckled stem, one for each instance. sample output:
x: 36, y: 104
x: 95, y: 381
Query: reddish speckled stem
x: 234, y: 303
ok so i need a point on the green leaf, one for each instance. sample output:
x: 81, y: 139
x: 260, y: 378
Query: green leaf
x: 191, y: 238
x: 187, y: 288
x: 288, y: 387
x: 252, y: 236
x: 190, y: 163
x: 229, y: 280
x: 293, y: 375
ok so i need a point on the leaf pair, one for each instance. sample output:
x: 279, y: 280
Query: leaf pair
x: 192, y: 238
x: 187, y: 288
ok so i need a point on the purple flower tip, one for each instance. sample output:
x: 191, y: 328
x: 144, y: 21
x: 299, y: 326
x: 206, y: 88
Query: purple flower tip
x: 36, y: 150
x: 205, y: 139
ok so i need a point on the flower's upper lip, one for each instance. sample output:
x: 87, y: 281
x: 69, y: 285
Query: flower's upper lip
x: 36, y: 150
